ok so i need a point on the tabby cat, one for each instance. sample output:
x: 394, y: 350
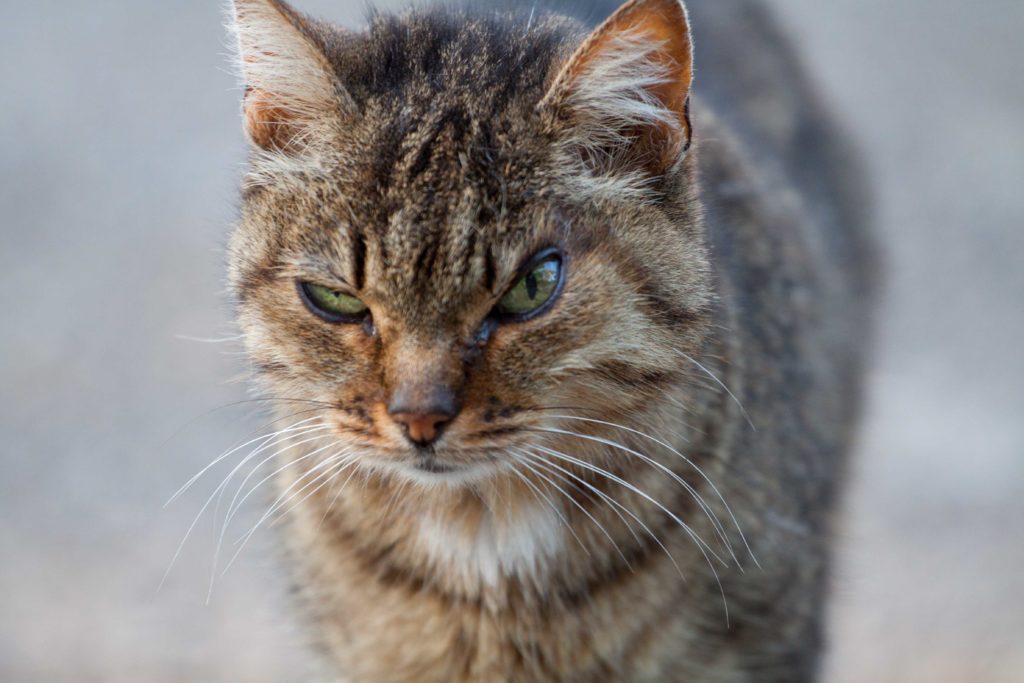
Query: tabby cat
x: 569, y: 347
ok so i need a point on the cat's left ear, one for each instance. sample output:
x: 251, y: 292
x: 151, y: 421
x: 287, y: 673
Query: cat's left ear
x: 623, y: 96
x: 293, y: 99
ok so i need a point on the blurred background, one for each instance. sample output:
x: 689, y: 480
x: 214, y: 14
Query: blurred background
x: 118, y: 171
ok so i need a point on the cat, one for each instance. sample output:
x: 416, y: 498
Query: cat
x: 571, y: 355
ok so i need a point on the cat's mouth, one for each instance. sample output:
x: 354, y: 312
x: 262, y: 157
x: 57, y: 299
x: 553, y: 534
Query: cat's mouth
x: 430, y: 463
x: 435, y: 467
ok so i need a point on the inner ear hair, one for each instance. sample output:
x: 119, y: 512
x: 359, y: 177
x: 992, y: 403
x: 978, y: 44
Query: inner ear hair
x: 292, y: 97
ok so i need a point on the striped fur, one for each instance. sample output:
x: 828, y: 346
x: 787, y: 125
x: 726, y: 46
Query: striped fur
x: 639, y: 483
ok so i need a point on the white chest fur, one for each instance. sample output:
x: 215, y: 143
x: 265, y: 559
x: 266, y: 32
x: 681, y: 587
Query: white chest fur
x: 520, y: 543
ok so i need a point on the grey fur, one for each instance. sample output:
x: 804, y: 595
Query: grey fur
x: 748, y: 275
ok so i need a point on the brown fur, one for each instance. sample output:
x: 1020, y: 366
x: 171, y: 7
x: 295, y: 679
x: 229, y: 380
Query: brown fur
x: 443, y: 166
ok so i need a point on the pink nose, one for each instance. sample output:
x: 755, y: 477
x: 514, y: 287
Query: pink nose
x: 422, y: 428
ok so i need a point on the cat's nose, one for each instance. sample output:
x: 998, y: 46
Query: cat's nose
x: 422, y: 429
x: 423, y: 421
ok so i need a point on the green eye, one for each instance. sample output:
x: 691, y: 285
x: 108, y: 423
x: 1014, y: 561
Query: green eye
x: 534, y: 290
x: 330, y: 304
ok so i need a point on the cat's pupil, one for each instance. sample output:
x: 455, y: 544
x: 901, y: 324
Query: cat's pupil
x: 531, y: 286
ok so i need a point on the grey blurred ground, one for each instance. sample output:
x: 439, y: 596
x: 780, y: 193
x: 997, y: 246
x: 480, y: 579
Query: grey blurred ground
x: 119, y: 158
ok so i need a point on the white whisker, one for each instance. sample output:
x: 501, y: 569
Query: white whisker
x: 236, y: 503
x: 558, y: 513
x: 689, y: 462
x: 334, y: 499
x: 339, y: 459
x: 215, y: 495
x: 616, y: 505
x: 716, y: 525
x: 344, y: 462
x: 720, y: 383
x: 573, y: 480
x: 702, y: 546
x: 558, y: 488
x: 201, y: 340
x: 222, y: 488
x: 188, y: 484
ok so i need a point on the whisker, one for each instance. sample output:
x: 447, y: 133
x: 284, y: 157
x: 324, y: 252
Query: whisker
x: 702, y: 546
x: 334, y: 499
x: 565, y: 493
x: 537, y: 492
x: 396, y: 495
x: 236, y: 504
x: 195, y: 521
x: 720, y: 532
x: 188, y: 484
x: 317, y: 467
x: 344, y: 462
x: 202, y: 340
x: 689, y: 462
x: 570, y: 478
x: 616, y: 504
x: 232, y: 509
x: 264, y: 400
x: 720, y: 383
x: 341, y: 458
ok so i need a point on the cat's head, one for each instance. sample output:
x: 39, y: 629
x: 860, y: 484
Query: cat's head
x: 457, y: 232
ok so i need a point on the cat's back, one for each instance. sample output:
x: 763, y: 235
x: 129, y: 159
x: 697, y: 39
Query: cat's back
x: 787, y: 200
x: 788, y: 227
x: 793, y: 145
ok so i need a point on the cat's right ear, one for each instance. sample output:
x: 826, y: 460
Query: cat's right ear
x: 621, y: 102
x: 293, y: 99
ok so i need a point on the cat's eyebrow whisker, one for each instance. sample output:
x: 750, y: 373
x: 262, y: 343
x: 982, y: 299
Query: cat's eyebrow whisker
x: 720, y: 383
x: 712, y: 517
x: 203, y: 340
x: 541, y: 461
x: 525, y: 463
x: 558, y: 513
x: 701, y: 545
x: 689, y: 462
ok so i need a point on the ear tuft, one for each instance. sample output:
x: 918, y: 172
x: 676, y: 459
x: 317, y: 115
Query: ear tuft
x: 624, y: 95
x: 292, y: 98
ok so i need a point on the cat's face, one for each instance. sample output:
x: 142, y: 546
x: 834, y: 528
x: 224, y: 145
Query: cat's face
x: 440, y: 266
